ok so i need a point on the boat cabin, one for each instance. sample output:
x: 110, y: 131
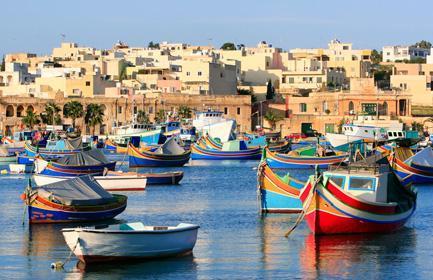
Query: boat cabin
x: 364, y: 183
x: 364, y: 131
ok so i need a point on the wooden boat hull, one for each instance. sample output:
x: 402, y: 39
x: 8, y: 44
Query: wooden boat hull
x: 331, y: 211
x: 276, y: 160
x: 100, y: 246
x: 32, y: 151
x: 150, y: 159
x: 109, y: 183
x: 44, y: 211
x: 55, y: 169
x: 198, y: 152
x: 409, y: 174
x: 277, y: 196
x: 164, y: 178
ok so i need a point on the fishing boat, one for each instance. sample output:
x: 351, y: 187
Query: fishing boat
x: 412, y: 168
x: 110, y: 145
x: 278, y: 194
x: 231, y: 150
x: 147, y: 133
x: 352, y: 133
x: 86, y: 162
x: 213, y: 123
x: 209, y: 142
x: 168, y: 154
x: 160, y: 178
x: 130, y: 241
x: 357, y: 199
x: 79, y: 199
x: 53, y: 152
x: 294, y: 160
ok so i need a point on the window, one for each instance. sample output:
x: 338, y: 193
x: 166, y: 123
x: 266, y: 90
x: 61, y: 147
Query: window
x: 226, y: 110
x: 199, y: 73
x: 291, y: 80
x: 188, y: 73
x: 362, y: 184
x: 150, y: 109
x: 303, y: 107
x: 283, y: 80
x: 135, y: 109
x: 87, y: 83
x: 221, y: 75
x: 239, y: 110
x: 319, y: 79
x: 338, y: 180
x: 119, y: 110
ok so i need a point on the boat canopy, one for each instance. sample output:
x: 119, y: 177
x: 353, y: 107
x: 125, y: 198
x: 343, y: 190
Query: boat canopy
x: 79, y: 191
x: 90, y: 157
x: 170, y: 147
x: 423, y: 157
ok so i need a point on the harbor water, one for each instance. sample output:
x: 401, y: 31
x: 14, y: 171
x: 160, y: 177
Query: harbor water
x: 235, y: 241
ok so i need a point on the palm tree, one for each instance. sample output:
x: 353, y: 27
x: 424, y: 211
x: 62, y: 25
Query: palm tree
x: 160, y: 116
x: 51, y: 114
x: 30, y: 119
x: 184, y: 112
x: 272, y: 118
x: 73, y: 110
x: 142, y: 117
x: 94, y: 115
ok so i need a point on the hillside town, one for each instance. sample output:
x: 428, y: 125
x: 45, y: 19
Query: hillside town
x: 261, y: 87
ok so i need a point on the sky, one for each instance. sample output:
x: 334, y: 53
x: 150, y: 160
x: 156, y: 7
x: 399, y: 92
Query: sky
x: 36, y: 26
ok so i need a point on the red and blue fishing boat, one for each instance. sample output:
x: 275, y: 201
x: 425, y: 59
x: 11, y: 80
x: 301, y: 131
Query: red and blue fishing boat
x: 80, y: 199
x: 412, y: 168
x: 32, y: 151
x: 231, y: 150
x: 293, y: 160
x: 357, y: 200
x: 210, y: 143
x: 87, y: 162
x: 110, y: 145
x: 170, y: 154
x: 278, y: 194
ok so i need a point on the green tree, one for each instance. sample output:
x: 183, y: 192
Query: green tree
x: 153, y: 45
x: 160, y: 116
x: 272, y: 118
x: 74, y: 110
x: 184, y: 112
x: 51, y: 114
x: 94, y: 115
x: 417, y: 126
x: 228, y: 46
x: 376, y: 56
x: 242, y: 91
x: 3, y: 65
x: 423, y: 44
x: 31, y: 119
x: 270, y: 91
x: 142, y: 117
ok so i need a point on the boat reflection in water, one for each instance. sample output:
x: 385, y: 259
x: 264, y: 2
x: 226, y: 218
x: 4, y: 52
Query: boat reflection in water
x: 346, y: 255
x: 153, y: 269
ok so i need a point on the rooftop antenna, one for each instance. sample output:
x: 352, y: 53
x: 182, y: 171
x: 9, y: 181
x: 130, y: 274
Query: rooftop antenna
x: 63, y: 37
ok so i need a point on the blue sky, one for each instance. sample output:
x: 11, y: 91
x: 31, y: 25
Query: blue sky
x: 35, y: 26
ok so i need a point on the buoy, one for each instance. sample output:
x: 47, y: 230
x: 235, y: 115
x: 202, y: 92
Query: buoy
x: 4, y: 172
x: 57, y: 265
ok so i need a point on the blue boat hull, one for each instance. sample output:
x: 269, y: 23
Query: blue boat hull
x: 39, y: 215
x: 226, y: 157
x: 272, y: 202
x: 164, y: 180
x: 141, y: 162
x: 22, y: 159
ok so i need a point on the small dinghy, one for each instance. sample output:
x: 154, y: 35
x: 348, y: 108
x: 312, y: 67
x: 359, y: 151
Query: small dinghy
x: 130, y: 241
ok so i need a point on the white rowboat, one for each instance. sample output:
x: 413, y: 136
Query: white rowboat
x: 109, y: 183
x: 130, y: 241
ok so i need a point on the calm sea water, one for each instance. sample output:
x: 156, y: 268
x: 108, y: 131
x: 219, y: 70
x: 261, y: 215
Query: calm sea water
x: 234, y: 240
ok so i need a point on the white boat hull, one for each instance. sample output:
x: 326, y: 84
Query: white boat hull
x: 341, y: 139
x: 222, y: 130
x: 107, y: 245
x: 109, y: 183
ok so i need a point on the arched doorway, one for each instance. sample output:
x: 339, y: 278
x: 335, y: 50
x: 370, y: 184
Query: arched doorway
x: 20, y: 111
x: 351, y: 108
x: 30, y: 108
x: 384, y: 109
x: 10, y: 111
